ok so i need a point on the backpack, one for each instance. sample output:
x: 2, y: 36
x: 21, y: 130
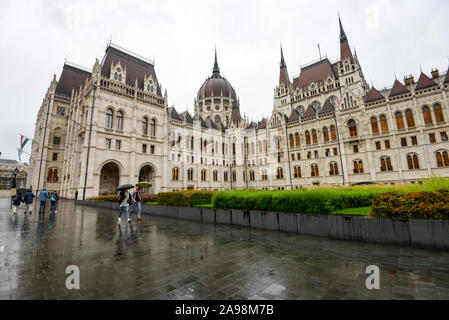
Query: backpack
x: 52, y: 198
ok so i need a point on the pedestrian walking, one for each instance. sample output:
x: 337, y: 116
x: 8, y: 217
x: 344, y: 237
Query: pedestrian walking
x: 53, y: 201
x: 43, y: 196
x: 76, y: 195
x: 136, y: 198
x: 28, y: 199
x: 16, y: 200
x: 125, y: 202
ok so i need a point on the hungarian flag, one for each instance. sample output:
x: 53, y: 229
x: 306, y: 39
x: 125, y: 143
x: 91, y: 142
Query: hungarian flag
x: 23, y: 141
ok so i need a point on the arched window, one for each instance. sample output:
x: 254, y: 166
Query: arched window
x: 442, y: 159
x: 252, y: 176
x: 326, y: 134
x: 297, y: 171
x: 234, y: 176
x: 150, y: 87
x: 383, y: 123
x: 175, y: 174
x: 145, y: 126
x: 333, y: 133
x: 314, y: 170
x: 203, y: 175
x: 439, y: 117
x: 190, y: 174
x: 298, y: 139
x: 385, y: 164
x: 152, y: 127
x: 352, y: 128
x: 215, y: 174
x: 264, y: 175
x: 314, y: 136
x: 292, y: 142
x: 410, y: 119
x: 109, y: 118
x: 119, y: 121
x: 308, y: 141
x: 358, y: 167
x: 412, y: 162
x: 225, y: 176
x: 50, y: 175
x: 427, y: 115
x: 374, y: 125
x: 333, y: 169
x: 279, y: 173
x: 399, y: 120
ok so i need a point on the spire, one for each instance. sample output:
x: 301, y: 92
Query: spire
x: 342, y: 31
x: 283, y: 65
x: 216, y: 69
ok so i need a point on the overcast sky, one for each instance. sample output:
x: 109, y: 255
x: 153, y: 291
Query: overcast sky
x: 391, y: 37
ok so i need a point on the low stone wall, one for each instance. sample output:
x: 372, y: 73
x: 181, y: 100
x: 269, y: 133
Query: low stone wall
x: 415, y: 233
x: 5, y: 193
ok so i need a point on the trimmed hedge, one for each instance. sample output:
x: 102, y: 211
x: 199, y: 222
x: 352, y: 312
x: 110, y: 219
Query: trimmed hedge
x: 188, y: 198
x: 116, y: 198
x: 415, y: 205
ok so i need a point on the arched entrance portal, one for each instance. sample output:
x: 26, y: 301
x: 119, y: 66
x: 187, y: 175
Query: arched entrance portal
x: 146, y: 174
x: 109, y: 178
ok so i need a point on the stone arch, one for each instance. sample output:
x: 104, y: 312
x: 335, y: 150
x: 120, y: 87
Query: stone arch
x: 147, y: 173
x: 109, y: 177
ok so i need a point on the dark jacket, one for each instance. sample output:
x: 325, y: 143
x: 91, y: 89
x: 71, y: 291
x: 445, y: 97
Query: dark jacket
x: 28, y: 197
x: 16, y: 199
x: 122, y: 197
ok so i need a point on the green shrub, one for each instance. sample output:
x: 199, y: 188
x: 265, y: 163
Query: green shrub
x: 115, y: 198
x: 413, y: 205
x: 187, y: 198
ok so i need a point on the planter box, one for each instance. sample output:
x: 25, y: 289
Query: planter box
x: 223, y: 216
x: 429, y: 234
x: 313, y: 225
x: 388, y: 231
x: 240, y: 218
x: 193, y: 214
x: 288, y: 222
x: 207, y: 215
x: 347, y: 228
x: 264, y: 220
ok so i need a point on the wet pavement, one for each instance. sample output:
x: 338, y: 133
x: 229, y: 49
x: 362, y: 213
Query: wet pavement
x: 162, y: 258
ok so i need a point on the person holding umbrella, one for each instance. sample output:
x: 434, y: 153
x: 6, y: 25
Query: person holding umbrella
x: 125, y: 201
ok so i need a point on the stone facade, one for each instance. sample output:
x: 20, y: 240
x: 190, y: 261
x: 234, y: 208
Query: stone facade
x: 328, y: 127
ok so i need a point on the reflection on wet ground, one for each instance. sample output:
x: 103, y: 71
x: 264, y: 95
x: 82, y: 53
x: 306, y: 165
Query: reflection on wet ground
x: 174, y: 259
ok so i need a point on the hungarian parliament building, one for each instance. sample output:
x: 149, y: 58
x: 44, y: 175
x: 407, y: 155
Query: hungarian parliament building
x: 99, y: 128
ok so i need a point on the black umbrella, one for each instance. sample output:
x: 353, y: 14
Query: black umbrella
x: 125, y: 186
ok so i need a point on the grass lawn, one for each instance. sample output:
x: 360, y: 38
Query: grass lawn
x: 209, y: 205
x: 151, y: 203
x: 364, y: 211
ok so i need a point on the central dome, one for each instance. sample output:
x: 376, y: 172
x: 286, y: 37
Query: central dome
x: 216, y: 86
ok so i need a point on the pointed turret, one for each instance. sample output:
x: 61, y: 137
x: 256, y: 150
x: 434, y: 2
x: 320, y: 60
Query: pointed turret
x: 345, y: 50
x: 283, y: 74
x: 216, y: 69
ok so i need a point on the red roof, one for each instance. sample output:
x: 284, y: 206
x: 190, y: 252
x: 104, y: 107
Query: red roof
x: 71, y: 78
x: 235, y: 116
x: 216, y: 87
x: 318, y: 72
x: 310, y: 113
x: 294, y: 116
x: 373, y: 95
x: 262, y: 124
x: 136, y: 68
x: 424, y: 82
x: 345, y: 51
x: 398, y: 88
x: 327, y: 107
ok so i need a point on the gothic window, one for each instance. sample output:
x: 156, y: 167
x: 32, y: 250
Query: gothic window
x: 399, y: 120
x: 439, y: 117
x: 234, y: 176
x: 252, y: 176
x: 333, y: 133
x: 442, y: 159
x: 109, y: 118
x: 119, y: 121
x: 427, y: 115
x: 410, y: 119
x: 314, y: 136
x: 333, y: 169
x: 145, y: 126
x: 297, y: 171
x: 292, y: 142
x: 383, y: 123
x: 314, y: 170
x: 150, y: 86
x: 203, y: 175
x: 385, y: 164
x: 298, y: 140
x: 225, y: 176
x: 215, y: 175
x: 153, y: 128
x: 279, y: 173
x: 52, y: 175
x: 412, y: 162
x: 358, y: 166
x: 374, y: 125
x: 175, y: 174
x: 326, y: 134
x: 190, y: 174
x: 308, y: 141
x: 352, y: 128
